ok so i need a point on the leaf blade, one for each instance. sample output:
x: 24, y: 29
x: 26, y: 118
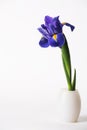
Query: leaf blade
x: 67, y: 76
x: 66, y: 57
x: 74, y: 80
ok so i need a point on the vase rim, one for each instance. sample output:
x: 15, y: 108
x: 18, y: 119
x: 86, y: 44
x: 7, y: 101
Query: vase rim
x: 65, y: 89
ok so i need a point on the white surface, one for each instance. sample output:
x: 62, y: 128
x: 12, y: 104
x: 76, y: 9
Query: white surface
x: 30, y: 76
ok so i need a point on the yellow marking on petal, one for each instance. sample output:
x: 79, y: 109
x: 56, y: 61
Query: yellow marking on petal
x: 63, y: 23
x: 55, y: 37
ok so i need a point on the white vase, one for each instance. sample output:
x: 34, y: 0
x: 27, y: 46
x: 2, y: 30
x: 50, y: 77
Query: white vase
x: 69, y: 105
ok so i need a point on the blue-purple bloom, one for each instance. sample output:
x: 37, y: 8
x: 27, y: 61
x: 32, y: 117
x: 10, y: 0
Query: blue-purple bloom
x: 52, y: 32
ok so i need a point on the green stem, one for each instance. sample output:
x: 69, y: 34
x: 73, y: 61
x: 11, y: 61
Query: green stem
x: 67, y: 66
x: 67, y: 77
x: 67, y: 63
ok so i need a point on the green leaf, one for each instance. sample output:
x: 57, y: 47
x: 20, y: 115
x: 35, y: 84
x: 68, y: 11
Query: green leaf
x: 67, y: 63
x: 74, y: 80
x: 67, y: 76
x: 66, y: 58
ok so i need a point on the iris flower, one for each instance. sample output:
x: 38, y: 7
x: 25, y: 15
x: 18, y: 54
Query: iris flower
x: 52, y: 35
x: 52, y: 32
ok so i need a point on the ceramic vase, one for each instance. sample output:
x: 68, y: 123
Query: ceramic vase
x: 69, y: 105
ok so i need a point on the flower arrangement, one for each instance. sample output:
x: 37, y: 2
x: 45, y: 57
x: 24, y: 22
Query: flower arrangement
x: 52, y: 35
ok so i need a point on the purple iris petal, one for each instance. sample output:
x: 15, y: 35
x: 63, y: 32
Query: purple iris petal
x: 44, y: 26
x: 53, y: 43
x: 58, y: 26
x: 69, y: 25
x: 44, y: 32
x: 44, y: 42
x: 60, y: 39
x: 53, y: 27
x: 48, y: 20
x: 56, y: 21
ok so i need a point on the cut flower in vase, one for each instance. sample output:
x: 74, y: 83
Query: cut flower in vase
x: 53, y: 35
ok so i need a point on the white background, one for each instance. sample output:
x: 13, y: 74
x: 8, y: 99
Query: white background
x: 30, y: 76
